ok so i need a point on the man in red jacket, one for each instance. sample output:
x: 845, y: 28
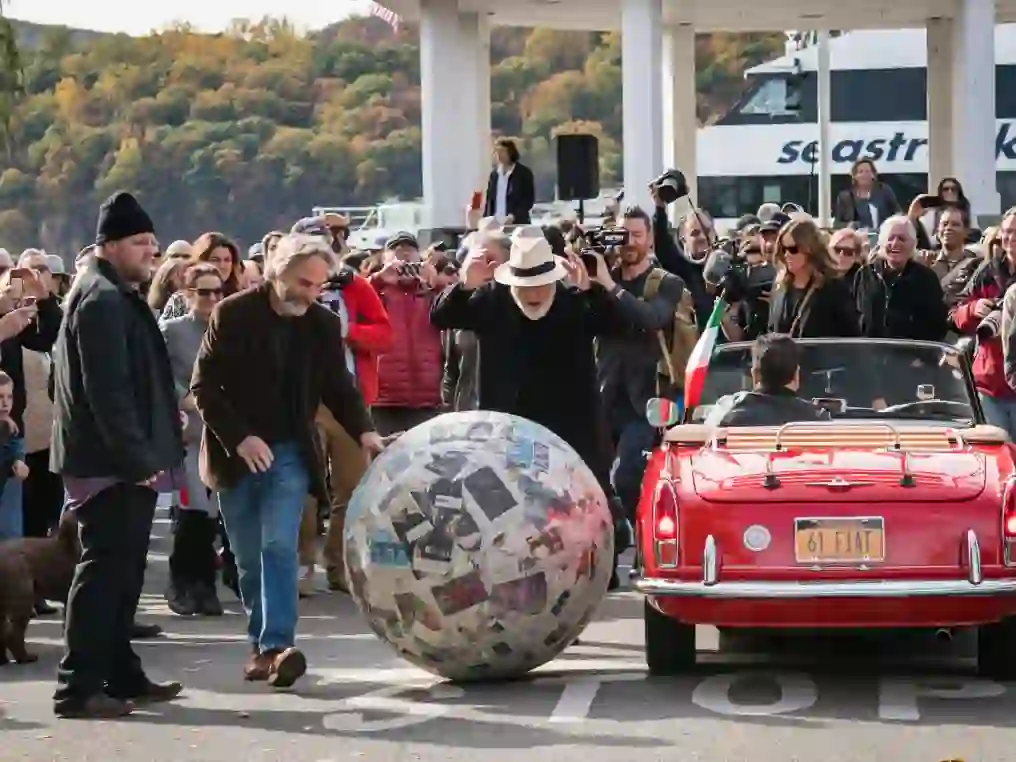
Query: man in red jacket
x: 978, y: 313
x: 409, y: 374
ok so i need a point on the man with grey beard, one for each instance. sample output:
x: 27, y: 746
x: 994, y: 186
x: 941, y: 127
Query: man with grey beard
x: 259, y: 448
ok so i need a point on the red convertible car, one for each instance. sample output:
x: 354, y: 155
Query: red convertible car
x: 900, y: 512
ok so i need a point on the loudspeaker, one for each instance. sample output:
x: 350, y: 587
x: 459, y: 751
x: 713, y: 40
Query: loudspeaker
x: 578, y: 167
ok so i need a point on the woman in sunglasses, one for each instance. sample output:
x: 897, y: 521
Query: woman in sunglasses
x: 192, y: 562
x: 810, y: 299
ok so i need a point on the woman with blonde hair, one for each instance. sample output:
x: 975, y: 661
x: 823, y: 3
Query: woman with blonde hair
x: 809, y: 300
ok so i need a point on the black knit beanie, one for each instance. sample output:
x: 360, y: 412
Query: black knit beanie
x: 121, y: 216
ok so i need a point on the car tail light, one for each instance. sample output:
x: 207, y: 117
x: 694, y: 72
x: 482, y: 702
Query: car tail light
x: 1009, y: 522
x: 665, y: 529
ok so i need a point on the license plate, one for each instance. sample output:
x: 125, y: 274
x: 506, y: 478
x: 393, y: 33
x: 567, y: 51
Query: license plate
x: 839, y: 540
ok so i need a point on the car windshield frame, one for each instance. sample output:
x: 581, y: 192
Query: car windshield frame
x: 947, y: 349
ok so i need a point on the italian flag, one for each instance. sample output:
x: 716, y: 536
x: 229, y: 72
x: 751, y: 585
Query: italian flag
x: 698, y: 363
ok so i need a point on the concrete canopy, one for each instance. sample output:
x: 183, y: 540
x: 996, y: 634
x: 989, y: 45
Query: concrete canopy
x: 716, y: 15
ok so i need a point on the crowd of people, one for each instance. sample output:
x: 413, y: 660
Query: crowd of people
x: 255, y: 386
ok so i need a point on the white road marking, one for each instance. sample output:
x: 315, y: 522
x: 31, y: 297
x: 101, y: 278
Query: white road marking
x: 576, y: 700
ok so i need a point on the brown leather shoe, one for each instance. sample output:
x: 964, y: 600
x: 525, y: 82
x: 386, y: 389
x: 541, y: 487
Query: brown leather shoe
x: 97, y: 707
x: 258, y: 666
x: 287, y: 667
x: 337, y: 581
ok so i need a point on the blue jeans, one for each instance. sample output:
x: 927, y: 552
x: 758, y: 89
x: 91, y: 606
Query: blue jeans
x: 262, y: 517
x: 12, y: 518
x: 1000, y: 412
x: 635, y: 438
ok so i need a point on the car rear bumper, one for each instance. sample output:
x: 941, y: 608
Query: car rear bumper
x: 713, y: 586
x: 946, y: 588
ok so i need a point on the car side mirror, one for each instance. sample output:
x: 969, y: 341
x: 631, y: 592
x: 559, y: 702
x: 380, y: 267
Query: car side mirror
x: 662, y: 413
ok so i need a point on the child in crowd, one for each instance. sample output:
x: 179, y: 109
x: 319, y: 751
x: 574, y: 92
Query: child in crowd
x: 12, y: 460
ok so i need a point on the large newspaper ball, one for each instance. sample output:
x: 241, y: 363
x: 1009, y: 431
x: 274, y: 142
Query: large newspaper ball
x: 479, y: 545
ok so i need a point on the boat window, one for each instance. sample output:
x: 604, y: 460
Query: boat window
x: 774, y: 97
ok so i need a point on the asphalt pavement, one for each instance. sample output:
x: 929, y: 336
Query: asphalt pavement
x: 904, y: 698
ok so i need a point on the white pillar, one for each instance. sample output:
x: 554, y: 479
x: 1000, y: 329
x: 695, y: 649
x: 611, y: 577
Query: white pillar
x: 973, y: 93
x: 940, y: 93
x: 642, y: 108
x: 680, y: 122
x: 454, y: 64
x: 824, y: 88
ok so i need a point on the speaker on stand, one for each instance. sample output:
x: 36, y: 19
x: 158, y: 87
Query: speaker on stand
x: 578, y: 169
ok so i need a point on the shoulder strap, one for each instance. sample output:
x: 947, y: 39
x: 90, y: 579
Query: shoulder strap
x: 653, y: 281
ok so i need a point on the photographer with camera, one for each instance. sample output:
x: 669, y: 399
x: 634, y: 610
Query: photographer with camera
x: 979, y: 314
x: 638, y: 363
x: 409, y: 374
x: 695, y: 233
x: 744, y: 275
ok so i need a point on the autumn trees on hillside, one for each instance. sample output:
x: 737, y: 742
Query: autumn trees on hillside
x: 247, y: 130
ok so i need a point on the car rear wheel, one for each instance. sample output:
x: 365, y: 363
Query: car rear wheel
x: 670, y: 645
x: 996, y: 650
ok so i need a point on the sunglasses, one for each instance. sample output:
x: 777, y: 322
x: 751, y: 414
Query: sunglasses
x: 792, y: 249
x: 752, y: 252
x: 207, y: 291
x: 947, y: 188
x: 849, y: 251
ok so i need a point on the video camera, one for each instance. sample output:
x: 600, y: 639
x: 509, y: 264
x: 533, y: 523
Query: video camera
x: 601, y: 241
x: 728, y: 269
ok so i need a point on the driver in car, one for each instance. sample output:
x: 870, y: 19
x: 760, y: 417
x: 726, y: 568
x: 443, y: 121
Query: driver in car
x: 776, y: 376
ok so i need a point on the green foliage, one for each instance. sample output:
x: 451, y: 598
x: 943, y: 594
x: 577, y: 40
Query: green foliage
x: 246, y: 131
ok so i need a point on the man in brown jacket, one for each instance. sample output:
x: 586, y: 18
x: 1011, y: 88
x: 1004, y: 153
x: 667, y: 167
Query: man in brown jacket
x: 267, y: 361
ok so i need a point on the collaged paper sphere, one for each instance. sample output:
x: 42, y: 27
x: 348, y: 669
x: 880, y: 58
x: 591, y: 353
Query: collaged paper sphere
x: 479, y: 545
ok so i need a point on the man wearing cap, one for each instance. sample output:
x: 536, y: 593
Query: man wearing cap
x: 117, y: 442
x: 61, y: 279
x: 409, y: 374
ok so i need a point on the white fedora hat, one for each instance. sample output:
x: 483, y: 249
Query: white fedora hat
x: 531, y: 262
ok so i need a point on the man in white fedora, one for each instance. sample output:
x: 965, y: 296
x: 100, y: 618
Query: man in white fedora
x: 535, y: 318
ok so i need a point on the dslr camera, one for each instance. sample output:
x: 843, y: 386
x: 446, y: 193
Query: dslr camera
x: 991, y: 326
x: 727, y: 268
x: 670, y: 186
x: 340, y: 279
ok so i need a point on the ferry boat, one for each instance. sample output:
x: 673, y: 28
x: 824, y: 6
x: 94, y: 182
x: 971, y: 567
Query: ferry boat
x: 765, y: 148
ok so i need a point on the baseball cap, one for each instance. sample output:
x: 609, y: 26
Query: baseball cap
x: 311, y: 226
x: 256, y: 251
x: 774, y: 223
x: 401, y: 238
x: 56, y: 264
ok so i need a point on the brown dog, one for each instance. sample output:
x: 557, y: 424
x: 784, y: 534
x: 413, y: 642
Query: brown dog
x: 32, y: 569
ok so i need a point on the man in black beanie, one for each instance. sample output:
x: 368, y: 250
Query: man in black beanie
x: 117, y: 441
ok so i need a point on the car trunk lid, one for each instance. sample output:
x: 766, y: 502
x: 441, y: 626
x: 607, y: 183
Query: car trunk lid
x: 843, y: 475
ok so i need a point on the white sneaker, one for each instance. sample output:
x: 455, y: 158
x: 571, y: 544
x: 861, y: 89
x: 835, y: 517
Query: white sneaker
x: 307, y: 586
